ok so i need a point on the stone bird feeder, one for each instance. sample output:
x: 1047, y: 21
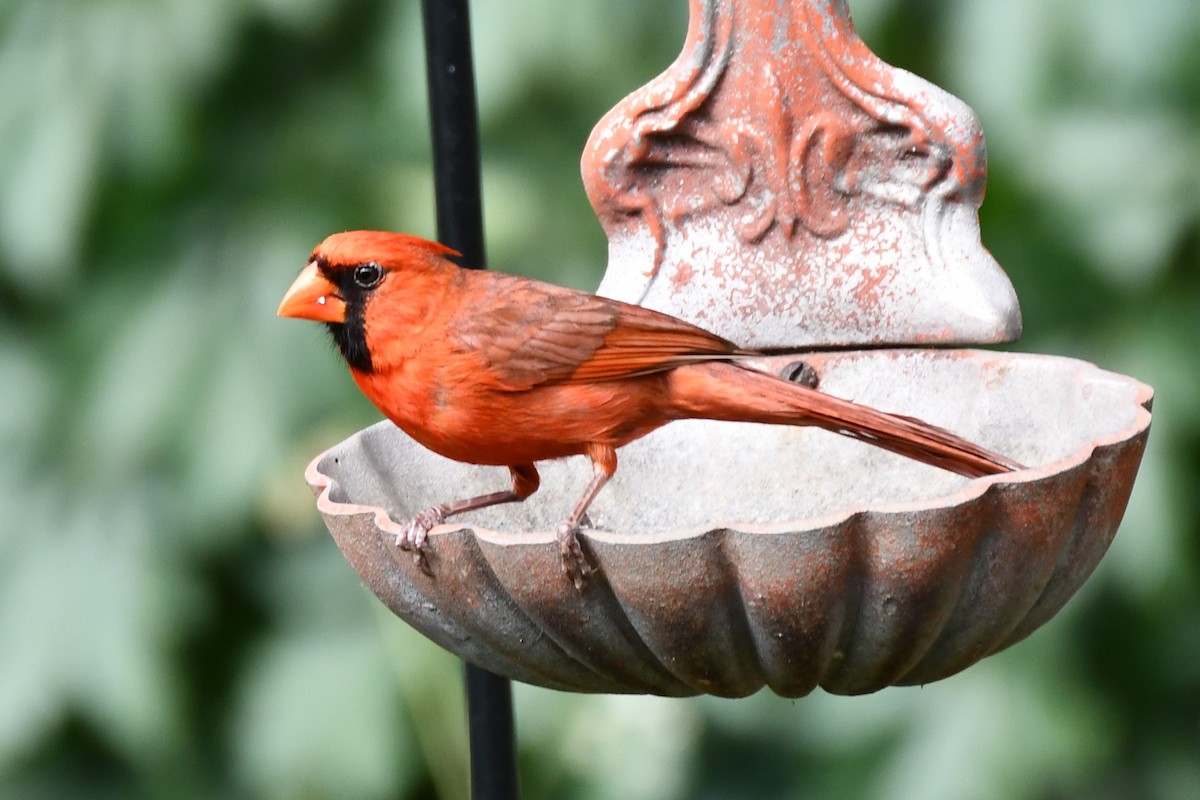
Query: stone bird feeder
x: 782, y: 186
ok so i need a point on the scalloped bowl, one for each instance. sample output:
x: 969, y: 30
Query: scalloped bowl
x: 733, y: 556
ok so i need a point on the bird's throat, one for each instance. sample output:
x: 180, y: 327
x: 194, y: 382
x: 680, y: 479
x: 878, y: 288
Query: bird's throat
x: 351, y: 339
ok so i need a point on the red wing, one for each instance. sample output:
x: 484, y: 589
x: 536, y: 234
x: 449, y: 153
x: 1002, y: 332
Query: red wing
x: 533, y: 333
x: 646, y: 341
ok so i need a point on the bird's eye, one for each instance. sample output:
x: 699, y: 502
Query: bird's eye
x: 368, y: 276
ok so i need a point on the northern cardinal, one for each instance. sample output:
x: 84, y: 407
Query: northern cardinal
x: 489, y: 368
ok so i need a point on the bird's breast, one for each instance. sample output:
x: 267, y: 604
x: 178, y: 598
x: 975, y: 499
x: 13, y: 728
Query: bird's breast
x: 472, y: 421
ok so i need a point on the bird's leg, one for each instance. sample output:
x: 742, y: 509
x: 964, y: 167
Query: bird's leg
x: 525, y: 482
x: 574, y: 563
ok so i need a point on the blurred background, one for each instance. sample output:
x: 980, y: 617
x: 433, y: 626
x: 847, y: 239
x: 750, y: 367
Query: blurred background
x: 176, y: 623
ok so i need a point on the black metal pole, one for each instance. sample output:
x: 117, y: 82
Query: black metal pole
x: 454, y: 126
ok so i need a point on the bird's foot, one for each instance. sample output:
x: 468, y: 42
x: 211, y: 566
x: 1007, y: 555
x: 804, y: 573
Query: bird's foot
x: 574, y: 562
x: 414, y: 535
x: 801, y: 372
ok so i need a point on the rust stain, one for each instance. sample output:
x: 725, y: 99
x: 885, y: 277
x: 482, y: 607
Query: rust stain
x: 683, y: 275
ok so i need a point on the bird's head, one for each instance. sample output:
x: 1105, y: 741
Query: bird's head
x: 347, y: 273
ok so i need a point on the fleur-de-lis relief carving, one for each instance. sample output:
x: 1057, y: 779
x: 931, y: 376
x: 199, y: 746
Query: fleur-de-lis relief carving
x: 778, y: 137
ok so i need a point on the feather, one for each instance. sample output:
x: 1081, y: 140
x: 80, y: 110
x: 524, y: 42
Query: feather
x: 537, y: 334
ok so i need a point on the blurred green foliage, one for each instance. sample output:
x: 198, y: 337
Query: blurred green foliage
x: 173, y: 620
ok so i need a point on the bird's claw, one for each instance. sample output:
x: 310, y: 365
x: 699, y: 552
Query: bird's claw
x: 415, y: 534
x: 801, y: 372
x: 574, y: 562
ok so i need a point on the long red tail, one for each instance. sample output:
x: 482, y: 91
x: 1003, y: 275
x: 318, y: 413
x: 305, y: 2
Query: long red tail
x: 729, y: 392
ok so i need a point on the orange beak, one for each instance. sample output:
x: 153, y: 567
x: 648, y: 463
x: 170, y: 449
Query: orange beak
x: 313, y: 297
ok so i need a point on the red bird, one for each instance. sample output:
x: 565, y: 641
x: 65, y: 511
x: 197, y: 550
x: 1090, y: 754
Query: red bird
x: 489, y: 368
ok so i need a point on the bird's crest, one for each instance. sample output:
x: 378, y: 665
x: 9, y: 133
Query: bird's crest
x: 383, y: 247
